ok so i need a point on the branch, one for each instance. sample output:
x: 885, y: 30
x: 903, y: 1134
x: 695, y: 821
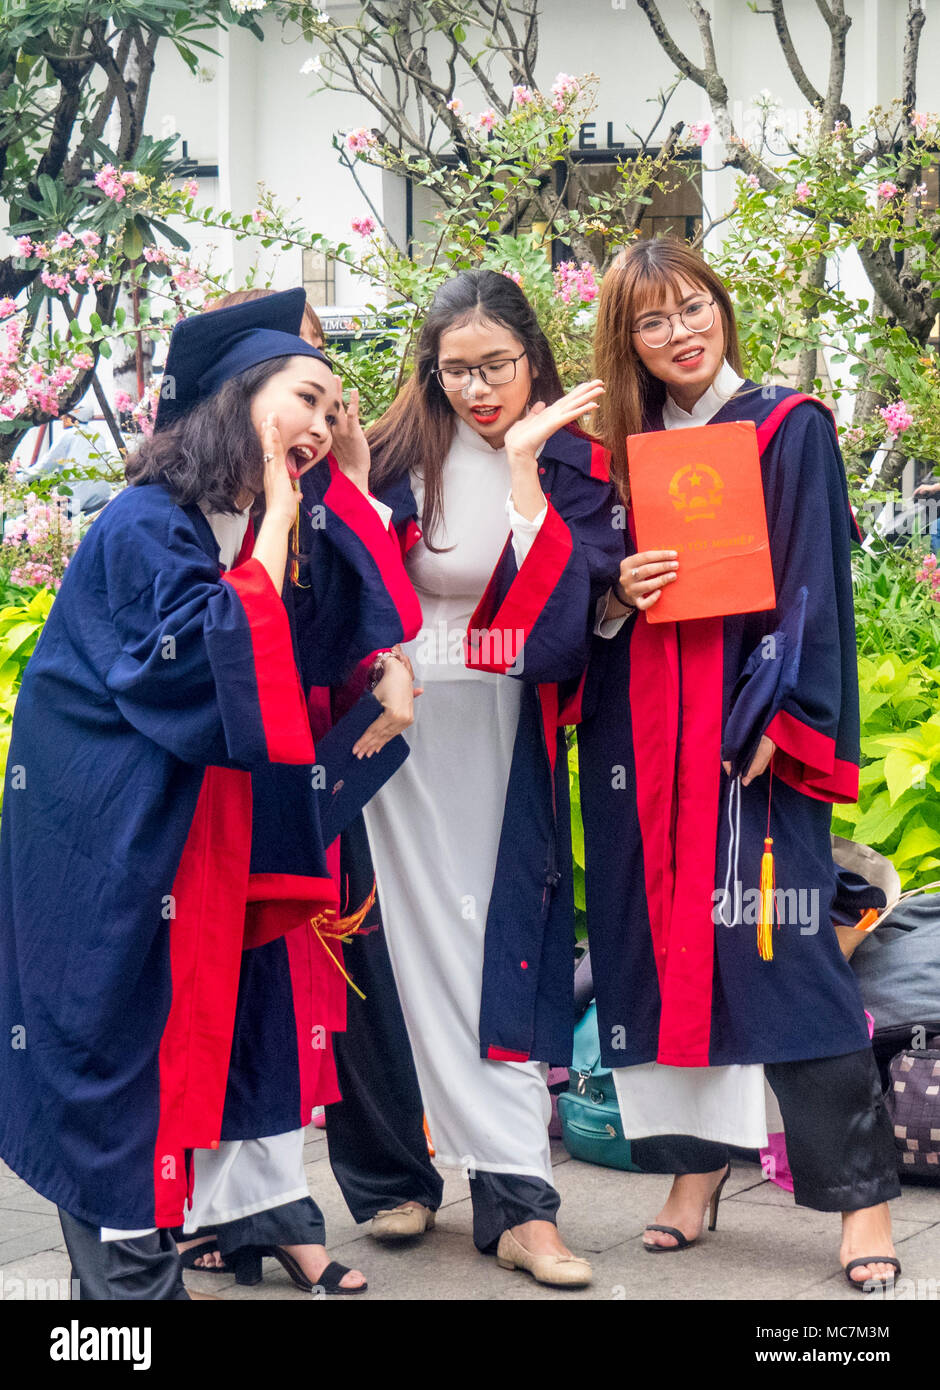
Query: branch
x: 915, y: 22
x: 797, y: 70
x: 667, y: 42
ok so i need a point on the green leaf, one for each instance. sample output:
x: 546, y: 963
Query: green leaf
x: 133, y: 243
x: 916, y: 842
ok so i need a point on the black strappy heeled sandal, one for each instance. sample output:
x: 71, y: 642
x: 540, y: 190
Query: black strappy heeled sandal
x: 682, y: 1241
x: 877, y: 1281
x: 246, y: 1263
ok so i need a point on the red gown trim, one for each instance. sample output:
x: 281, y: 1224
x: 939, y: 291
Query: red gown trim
x: 280, y: 697
x: 503, y: 630
x: 353, y: 507
x: 206, y: 938
x: 280, y: 903
x: 504, y: 1054
x: 806, y: 760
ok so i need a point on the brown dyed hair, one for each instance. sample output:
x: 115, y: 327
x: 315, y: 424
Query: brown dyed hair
x: 418, y: 428
x: 635, y: 281
x: 310, y: 320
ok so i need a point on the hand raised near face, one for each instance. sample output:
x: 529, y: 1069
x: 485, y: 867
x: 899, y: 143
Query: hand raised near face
x: 526, y: 436
x: 350, y: 447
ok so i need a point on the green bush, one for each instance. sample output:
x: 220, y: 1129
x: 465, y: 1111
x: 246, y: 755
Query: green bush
x: 21, y: 622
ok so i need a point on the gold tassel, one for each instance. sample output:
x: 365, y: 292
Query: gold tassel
x: 341, y: 929
x: 765, y: 922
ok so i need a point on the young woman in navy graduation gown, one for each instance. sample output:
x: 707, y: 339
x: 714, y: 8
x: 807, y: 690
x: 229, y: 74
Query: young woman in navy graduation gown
x: 506, y: 514
x: 700, y: 735
x: 159, y: 819
x: 350, y: 599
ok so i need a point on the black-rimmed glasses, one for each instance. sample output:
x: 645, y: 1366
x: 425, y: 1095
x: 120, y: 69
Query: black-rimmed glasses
x: 498, y: 373
x: 698, y: 317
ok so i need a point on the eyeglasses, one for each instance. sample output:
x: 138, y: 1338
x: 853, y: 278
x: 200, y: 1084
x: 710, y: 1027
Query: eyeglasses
x: 492, y: 373
x: 656, y: 331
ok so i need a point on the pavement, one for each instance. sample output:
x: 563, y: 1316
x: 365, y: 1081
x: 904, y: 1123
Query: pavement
x: 764, y: 1246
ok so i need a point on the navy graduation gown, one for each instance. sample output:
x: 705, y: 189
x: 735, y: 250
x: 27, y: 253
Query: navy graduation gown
x: 534, y: 624
x: 130, y: 877
x: 673, y: 845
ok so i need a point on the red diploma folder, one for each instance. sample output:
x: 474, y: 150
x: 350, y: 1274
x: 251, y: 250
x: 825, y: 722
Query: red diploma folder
x: 699, y: 492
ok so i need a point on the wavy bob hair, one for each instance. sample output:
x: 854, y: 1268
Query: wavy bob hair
x: 211, y: 454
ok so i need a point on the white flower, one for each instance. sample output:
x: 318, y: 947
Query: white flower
x: 312, y: 65
x: 244, y: 6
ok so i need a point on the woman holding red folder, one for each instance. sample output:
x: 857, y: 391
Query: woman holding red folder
x: 711, y: 752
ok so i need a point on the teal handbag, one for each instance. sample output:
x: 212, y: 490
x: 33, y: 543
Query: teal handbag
x: 591, y: 1128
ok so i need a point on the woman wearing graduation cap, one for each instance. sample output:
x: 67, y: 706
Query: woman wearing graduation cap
x: 160, y: 726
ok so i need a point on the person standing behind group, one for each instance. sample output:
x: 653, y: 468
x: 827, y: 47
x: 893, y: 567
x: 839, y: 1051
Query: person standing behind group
x: 505, y: 511
x: 727, y: 731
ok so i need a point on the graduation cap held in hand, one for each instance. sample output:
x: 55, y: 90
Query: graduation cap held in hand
x: 210, y: 348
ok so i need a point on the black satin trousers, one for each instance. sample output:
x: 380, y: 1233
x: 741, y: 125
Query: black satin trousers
x: 840, y: 1145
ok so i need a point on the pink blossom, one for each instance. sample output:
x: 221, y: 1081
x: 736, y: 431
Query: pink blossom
x: 455, y: 105
x: 63, y: 241
x: 59, y: 283
x: 359, y: 140
x: 109, y: 181
x: 565, y: 85
x: 919, y: 120
x: 522, y: 95
x: 41, y: 250
x: 752, y: 181
x: 89, y: 240
x: 191, y: 188
x: 887, y: 189
x: 83, y: 361
x: 155, y: 255
x: 130, y: 178
x: 24, y: 247
x: 699, y: 132
x: 364, y: 226
x: 486, y: 119
x: 186, y: 278
x: 803, y: 191
x: 897, y: 417
x: 259, y: 215
x: 573, y: 282
x: 7, y: 306
x: 122, y: 402
x: 514, y: 276
x: 81, y: 274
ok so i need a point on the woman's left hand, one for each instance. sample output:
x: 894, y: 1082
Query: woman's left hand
x: 765, y: 751
x: 525, y: 438
x: 350, y: 447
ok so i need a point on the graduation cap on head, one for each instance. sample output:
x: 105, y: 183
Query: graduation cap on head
x: 210, y: 348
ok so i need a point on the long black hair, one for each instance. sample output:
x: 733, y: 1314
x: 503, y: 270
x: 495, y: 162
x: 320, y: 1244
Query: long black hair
x: 211, y: 454
x: 417, y: 430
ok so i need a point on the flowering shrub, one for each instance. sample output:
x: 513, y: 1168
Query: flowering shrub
x: 929, y: 574
x: 576, y: 282
x: 38, y: 545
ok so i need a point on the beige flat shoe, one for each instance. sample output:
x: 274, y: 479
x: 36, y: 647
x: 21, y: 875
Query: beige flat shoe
x: 402, y: 1223
x: 564, y: 1271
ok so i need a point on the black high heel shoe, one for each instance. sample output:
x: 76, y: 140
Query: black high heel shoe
x: 683, y: 1242
x: 246, y: 1263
